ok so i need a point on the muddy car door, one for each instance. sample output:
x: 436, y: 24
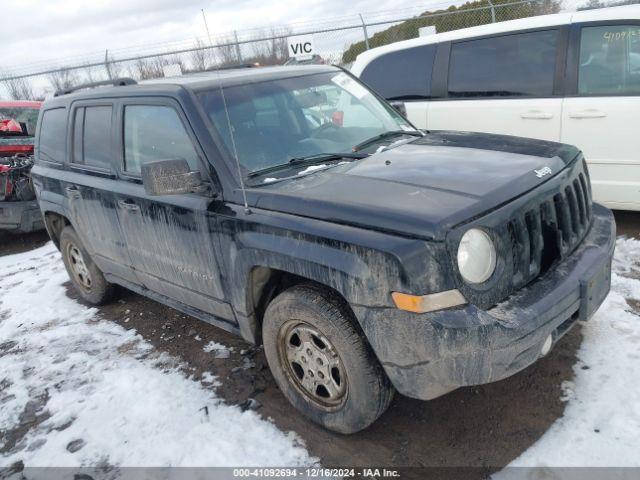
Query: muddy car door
x: 171, y: 238
x: 88, y: 184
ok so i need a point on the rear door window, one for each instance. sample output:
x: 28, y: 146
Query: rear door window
x: 155, y: 132
x: 609, y: 60
x: 402, y: 75
x: 517, y: 65
x: 53, y: 137
x: 92, y: 136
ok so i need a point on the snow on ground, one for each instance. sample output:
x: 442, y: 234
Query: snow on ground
x: 601, y: 422
x: 218, y: 350
x: 88, y: 392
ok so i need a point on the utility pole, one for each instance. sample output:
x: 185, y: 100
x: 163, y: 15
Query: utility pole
x: 106, y: 64
x: 364, y: 29
x: 206, y: 27
x: 493, y: 11
x: 238, y: 51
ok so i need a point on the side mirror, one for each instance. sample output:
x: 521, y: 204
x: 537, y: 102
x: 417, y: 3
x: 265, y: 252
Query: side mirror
x: 170, y: 177
x: 399, y: 107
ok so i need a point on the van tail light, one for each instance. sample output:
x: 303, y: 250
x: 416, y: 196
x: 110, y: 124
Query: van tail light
x: 400, y: 107
x: 337, y: 118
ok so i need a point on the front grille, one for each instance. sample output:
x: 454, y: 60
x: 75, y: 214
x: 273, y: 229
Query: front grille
x: 551, y: 230
x: 532, y: 234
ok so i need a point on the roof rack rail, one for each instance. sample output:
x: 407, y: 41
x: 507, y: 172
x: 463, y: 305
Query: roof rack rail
x: 231, y: 67
x: 116, y: 82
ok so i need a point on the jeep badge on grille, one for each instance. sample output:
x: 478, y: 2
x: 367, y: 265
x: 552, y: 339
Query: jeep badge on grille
x: 543, y: 172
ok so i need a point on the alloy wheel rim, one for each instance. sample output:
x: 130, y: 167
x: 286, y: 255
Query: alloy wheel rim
x: 313, y: 365
x: 78, y: 267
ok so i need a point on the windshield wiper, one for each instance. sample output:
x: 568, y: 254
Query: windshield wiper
x: 308, y: 160
x: 385, y: 135
x: 324, y: 157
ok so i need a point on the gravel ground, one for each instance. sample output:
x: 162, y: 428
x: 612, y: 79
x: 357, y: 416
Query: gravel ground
x: 486, y: 426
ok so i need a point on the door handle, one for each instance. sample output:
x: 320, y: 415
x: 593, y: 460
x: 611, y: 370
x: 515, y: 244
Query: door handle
x: 72, y: 191
x: 128, y: 205
x: 591, y: 113
x: 536, y: 115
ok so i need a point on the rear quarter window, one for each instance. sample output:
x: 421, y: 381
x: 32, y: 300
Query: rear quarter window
x: 404, y: 74
x: 53, y: 135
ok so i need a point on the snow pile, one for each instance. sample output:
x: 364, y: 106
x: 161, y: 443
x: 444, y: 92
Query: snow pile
x: 218, y: 350
x: 601, y: 422
x: 312, y: 168
x: 90, y: 392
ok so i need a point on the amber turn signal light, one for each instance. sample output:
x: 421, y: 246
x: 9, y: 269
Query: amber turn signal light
x: 428, y: 303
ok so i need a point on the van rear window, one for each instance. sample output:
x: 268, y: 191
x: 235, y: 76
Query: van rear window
x: 402, y: 75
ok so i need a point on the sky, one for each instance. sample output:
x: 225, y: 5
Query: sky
x: 39, y: 30
x: 42, y: 31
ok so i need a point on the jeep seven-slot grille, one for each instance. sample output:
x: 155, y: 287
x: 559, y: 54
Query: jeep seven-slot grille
x: 551, y: 230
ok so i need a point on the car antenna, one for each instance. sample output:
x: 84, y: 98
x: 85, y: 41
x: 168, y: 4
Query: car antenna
x: 247, y: 210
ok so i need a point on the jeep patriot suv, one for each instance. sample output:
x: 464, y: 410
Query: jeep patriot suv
x: 294, y: 207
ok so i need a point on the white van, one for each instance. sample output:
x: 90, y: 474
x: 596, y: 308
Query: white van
x: 572, y: 78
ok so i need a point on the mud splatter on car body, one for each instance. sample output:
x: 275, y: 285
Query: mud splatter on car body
x: 391, y: 222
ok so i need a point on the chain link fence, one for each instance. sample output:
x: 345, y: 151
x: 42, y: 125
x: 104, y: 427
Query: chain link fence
x: 337, y: 41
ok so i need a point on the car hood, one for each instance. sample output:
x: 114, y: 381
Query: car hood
x: 422, y: 188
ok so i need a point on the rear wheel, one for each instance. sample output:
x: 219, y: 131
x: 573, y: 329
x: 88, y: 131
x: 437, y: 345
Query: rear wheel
x: 321, y: 362
x: 85, y: 276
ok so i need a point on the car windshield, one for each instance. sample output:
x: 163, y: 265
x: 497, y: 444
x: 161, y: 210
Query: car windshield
x: 28, y: 116
x: 275, y: 121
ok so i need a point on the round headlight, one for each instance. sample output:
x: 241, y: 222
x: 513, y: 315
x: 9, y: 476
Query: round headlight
x: 476, y: 256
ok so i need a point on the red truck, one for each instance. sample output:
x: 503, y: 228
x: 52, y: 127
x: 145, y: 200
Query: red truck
x: 19, y: 210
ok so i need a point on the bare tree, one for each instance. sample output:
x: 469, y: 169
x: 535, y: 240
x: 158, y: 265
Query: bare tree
x: 546, y: 7
x: 111, y: 66
x: 63, y: 78
x: 200, y: 57
x: 18, y: 88
x: 260, y: 48
x: 91, y: 75
x: 146, y: 69
x: 279, y: 45
x: 272, y: 50
x: 227, y: 52
x: 174, y: 59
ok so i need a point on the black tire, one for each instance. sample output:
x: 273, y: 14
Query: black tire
x: 366, y: 390
x: 92, y: 287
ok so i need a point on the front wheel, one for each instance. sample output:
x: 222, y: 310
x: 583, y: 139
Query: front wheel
x: 85, y: 276
x: 321, y: 362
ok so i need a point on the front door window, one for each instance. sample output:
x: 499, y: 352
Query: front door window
x: 154, y: 132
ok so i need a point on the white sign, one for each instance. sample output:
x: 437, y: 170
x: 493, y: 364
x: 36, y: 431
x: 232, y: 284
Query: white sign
x: 172, y: 70
x: 300, y: 47
x: 425, y: 31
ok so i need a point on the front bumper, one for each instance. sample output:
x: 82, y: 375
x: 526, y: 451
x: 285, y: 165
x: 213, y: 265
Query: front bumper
x: 21, y: 216
x: 427, y: 355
